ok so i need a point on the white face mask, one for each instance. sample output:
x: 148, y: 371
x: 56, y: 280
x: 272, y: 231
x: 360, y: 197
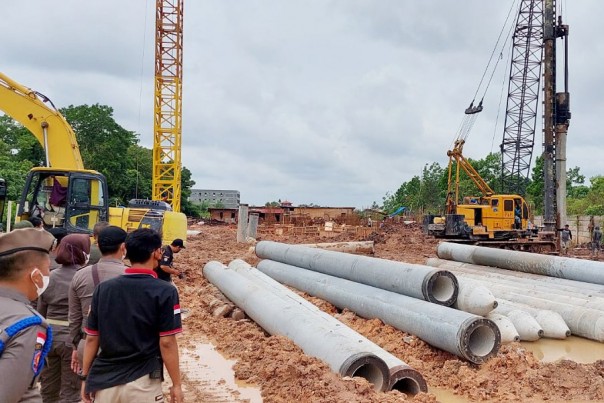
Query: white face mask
x: 45, y: 282
x: 87, y: 258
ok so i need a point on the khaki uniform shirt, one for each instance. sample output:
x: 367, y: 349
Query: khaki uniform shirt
x: 81, y: 290
x: 53, y: 304
x: 17, y: 381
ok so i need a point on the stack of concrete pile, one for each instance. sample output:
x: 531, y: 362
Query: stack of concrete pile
x: 562, y: 294
x: 414, y: 298
x: 280, y: 311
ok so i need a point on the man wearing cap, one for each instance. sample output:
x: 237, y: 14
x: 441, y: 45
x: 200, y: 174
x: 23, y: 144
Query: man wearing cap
x: 25, y: 337
x: 165, y: 270
x: 111, y: 244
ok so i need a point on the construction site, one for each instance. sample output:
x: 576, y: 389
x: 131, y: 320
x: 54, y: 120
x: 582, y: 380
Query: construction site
x: 274, y: 368
x: 476, y: 299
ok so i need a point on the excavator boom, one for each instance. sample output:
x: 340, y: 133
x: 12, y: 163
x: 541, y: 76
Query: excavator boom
x: 31, y: 109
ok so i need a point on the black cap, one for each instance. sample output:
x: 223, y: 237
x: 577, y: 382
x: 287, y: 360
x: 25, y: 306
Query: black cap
x: 178, y: 242
x: 111, y: 236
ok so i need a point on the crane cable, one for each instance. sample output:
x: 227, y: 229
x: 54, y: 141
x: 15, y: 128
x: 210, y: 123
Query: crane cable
x: 471, y: 113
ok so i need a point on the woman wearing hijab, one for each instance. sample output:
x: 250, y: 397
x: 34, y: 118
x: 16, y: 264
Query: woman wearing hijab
x: 59, y: 382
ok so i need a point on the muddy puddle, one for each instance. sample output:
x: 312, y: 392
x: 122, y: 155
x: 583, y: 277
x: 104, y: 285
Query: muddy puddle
x: 209, y: 372
x: 574, y: 348
x: 447, y: 396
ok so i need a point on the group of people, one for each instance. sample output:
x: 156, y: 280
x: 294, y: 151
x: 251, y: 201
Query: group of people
x: 61, y: 327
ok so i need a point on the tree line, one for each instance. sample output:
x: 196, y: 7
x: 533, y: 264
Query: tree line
x: 105, y: 146
x: 427, y: 192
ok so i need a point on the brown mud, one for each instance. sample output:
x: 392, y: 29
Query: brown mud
x: 285, y: 374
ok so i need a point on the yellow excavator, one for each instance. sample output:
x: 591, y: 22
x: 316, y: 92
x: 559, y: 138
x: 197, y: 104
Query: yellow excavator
x: 64, y: 193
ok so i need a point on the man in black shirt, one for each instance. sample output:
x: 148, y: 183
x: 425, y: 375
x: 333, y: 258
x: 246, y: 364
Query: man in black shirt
x: 164, y: 269
x: 133, y: 320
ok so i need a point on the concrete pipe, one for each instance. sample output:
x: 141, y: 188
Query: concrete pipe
x: 469, y: 336
x: 506, y: 327
x: 531, y: 288
x: 319, y: 338
x: 496, y: 272
x: 418, y: 281
x: 563, y: 267
x: 551, y: 322
x: 477, y: 300
x: 581, y: 321
x: 403, y: 378
x: 356, y: 248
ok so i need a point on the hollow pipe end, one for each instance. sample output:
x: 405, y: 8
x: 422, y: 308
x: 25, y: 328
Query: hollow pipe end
x: 479, y: 340
x: 407, y: 380
x: 441, y: 288
x: 368, y: 366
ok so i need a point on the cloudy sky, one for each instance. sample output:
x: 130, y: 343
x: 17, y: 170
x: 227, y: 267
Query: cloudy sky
x: 332, y: 102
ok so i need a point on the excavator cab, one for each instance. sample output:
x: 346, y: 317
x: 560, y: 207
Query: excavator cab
x: 75, y: 200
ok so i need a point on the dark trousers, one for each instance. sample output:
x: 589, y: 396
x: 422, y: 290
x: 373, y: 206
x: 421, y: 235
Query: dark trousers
x: 59, y: 382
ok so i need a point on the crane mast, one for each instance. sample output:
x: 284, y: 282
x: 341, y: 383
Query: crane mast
x: 523, y: 97
x: 167, y: 165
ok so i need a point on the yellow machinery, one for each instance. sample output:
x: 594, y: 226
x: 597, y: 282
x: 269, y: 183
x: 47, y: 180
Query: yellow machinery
x: 168, y: 102
x: 64, y: 193
x: 491, y: 216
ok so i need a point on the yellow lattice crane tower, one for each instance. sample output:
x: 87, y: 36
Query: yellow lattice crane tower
x: 168, y: 102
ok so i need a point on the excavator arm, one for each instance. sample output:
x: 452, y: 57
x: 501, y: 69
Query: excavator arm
x: 31, y: 109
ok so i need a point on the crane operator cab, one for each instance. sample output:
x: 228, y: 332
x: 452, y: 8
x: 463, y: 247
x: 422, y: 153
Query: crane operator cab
x: 75, y: 200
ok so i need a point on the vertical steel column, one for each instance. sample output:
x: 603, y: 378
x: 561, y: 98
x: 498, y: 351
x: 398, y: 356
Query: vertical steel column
x: 549, y: 145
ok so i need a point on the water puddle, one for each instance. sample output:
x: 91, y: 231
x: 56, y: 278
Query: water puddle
x: 446, y: 396
x: 574, y: 348
x: 209, y: 371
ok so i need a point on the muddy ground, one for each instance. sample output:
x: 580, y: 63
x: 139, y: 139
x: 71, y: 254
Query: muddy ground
x: 285, y: 374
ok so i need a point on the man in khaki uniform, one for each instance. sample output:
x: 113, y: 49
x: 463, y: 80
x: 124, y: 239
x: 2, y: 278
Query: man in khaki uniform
x: 111, y: 244
x: 24, y: 275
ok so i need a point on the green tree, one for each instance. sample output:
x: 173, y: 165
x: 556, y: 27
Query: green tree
x: 536, y: 187
x: 104, y: 144
x: 20, y: 142
x: 431, y: 193
x: 138, y: 175
x: 575, y: 184
x: 186, y: 184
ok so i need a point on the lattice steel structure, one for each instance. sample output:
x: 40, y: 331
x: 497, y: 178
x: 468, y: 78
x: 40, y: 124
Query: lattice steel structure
x: 168, y: 102
x: 523, y: 97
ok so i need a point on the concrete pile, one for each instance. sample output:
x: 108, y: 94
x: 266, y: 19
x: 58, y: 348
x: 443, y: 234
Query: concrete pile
x: 279, y: 311
x: 397, y: 293
x: 559, y: 306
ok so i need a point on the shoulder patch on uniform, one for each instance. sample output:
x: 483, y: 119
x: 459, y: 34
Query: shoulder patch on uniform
x: 36, y: 361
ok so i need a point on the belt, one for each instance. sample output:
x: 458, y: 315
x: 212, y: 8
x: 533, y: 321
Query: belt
x: 57, y: 322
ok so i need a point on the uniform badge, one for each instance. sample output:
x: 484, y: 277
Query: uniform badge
x: 36, y: 362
